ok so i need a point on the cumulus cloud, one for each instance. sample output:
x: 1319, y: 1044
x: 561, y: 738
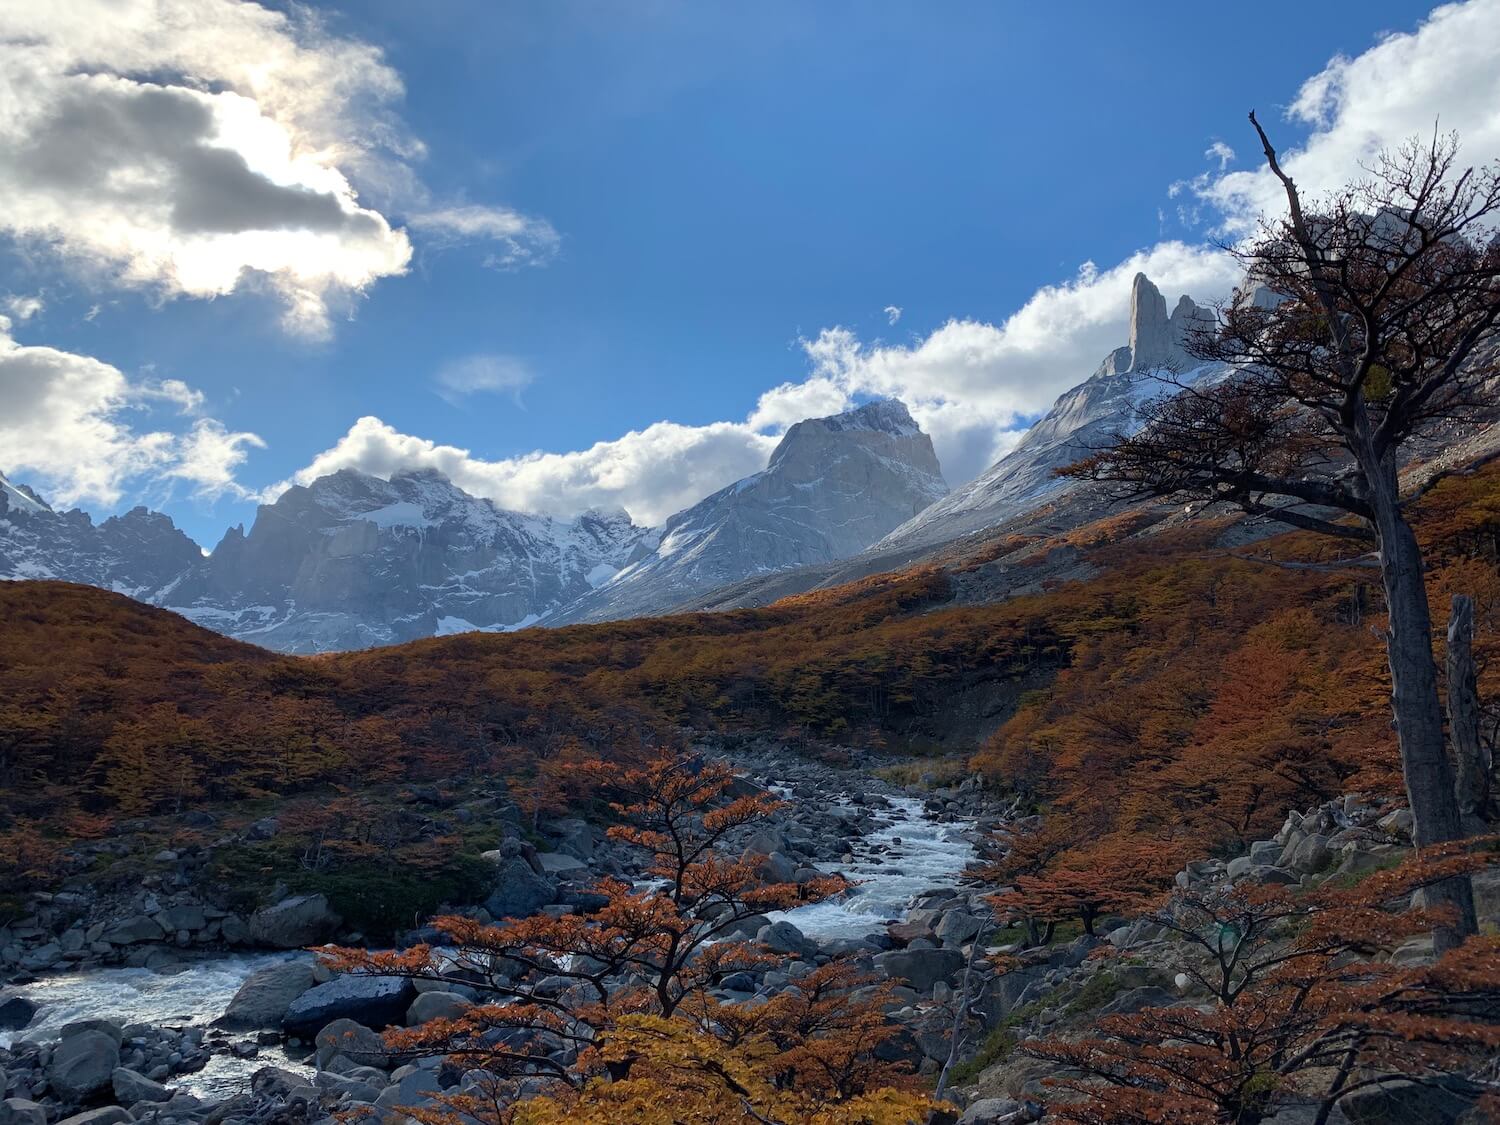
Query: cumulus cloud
x: 70, y: 426
x: 199, y: 147
x: 482, y: 374
x: 1442, y: 74
x: 651, y: 472
x: 975, y: 385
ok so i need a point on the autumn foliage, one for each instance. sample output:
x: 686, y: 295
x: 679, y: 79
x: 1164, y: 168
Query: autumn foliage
x: 1304, y: 1005
x: 608, y: 1016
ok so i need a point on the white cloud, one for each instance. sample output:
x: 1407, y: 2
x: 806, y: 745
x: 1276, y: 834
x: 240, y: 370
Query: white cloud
x: 23, y: 307
x: 523, y: 240
x: 482, y: 374
x: 201, y: 147
x: 1220, y: 152
x: 68, y: 427
x: 1442, y: 74
x: 651, y: 472
x: 975, y: 384
x: 892, y: 313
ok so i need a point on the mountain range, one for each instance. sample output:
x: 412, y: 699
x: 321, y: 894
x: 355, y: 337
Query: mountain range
x: 352, y: 560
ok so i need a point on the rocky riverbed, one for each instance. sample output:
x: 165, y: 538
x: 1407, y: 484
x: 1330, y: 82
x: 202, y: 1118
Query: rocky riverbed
x: 184, y: 1030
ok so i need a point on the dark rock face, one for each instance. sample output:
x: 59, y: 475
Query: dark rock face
x: 352, y: 561
x: 371, y: 1001
x: 138, y: 553
x: 832, y: 487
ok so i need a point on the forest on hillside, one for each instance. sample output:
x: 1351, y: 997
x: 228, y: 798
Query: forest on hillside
x: 1187, y: 694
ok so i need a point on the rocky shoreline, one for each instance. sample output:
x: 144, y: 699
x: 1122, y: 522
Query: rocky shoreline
x: 282, y: 1013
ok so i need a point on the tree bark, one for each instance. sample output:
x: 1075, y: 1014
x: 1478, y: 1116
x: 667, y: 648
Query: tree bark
x: 1470, y: 756
x: 1414, y: 699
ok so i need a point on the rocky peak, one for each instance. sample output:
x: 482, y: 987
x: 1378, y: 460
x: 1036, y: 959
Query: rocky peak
x: 832, y: 487
x: 1150, y: 341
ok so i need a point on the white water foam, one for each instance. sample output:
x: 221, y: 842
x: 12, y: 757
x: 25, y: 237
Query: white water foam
x: 929, y: 855
x: 195, y: 995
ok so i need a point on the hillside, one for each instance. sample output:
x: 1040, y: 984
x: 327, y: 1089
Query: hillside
x: 1131, y: 661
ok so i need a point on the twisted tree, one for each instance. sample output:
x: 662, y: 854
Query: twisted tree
x: 1371, y: 321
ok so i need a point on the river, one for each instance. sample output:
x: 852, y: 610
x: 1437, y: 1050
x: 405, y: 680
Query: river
x: 888, y: 874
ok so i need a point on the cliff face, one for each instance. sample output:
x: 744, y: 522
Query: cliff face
x: 1082, y: 418
x: 136, y: 554
x: 353, y: 560
x: 832, y: 487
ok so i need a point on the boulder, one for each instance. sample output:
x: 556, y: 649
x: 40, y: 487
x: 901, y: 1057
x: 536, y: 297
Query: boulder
x: 83, y: 1065
x: 921, y: 968
x: 574, y: 836
x: 561, y: 864
x: 108, y: 1115
x: 262, y: 1001
x: 411, y: 1089
x: 1398, y: 823
x: 106, y: 1027
x: 373, y: 1001
x: 783, y: 937
x: 175, y: 918
x: 1401, y: 1102
x: 293, y: 923
x: 15, y: 1013
x: 133, y: 930
x: 990, y: 1111
x: 956, y: 927
x: 1308, y: 855
x: 131, y: 1087
x: 21, y: 1111
x: 519, y: 892
x: 353, y: 1040
x: 436, y: 1005
x: 1134, y: 999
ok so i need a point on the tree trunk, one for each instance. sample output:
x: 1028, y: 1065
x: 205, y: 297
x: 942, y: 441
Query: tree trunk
x: 1470, y: 756
x: 1414, y: 699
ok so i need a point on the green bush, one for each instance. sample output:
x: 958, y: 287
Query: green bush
x: 382, y: 900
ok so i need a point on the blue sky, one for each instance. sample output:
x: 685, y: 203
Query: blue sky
x: 704, y: 202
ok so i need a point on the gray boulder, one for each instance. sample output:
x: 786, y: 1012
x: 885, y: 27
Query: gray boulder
x: 175, y: 918
x: 956, y: 927
x: 1401, y: 1102
x: 783, y: 937
x: 561, y: 864
x: 436, y: 1005
x: 991, y: 1111
x: 130, y: 931
x: 131, y: 1087
x: 294, y: 922
x: 574, y: 836
x: 354, y: 1041
x: 1134, y: 999
x: 372, y: 1001
x: 108, y: 1115
x: 921, y: 968
x: 262, y: 1001
x: 21, y: 1111
x: 83, y: 1065
x: 519, y: 891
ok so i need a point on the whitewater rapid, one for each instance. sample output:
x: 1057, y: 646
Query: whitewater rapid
x: 193, y: 995
x: 911, y: 854
x: 888, y: 874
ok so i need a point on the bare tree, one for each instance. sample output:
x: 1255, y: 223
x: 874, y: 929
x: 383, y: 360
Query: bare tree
x: 1372, y: 324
